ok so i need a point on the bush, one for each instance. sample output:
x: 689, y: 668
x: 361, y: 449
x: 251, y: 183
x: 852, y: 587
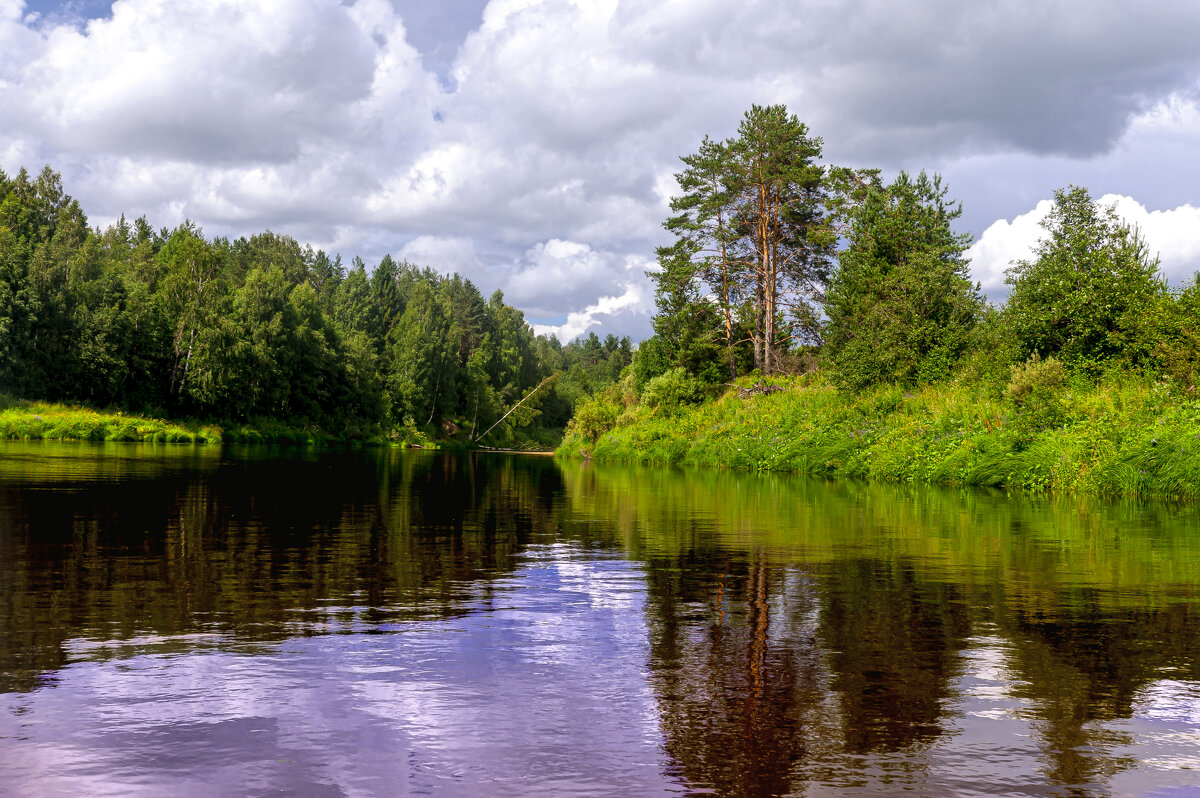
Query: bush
x: 1036, y: 388
x: 593, y: 417
x: 901, y: 306
x: 672, y: 389
x: 1088, y: 294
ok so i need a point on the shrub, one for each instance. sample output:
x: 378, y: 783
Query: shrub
x: 593, y: 417
x: 901, y: 305
x: 1089, y: 292
x: 672, y: 389
x: 1036, y: 388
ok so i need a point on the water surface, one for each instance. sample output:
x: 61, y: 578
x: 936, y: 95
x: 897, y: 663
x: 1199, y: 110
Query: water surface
x: 205, y: 621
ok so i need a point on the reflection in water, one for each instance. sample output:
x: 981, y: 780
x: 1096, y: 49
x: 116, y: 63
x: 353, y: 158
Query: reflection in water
x: 245, y: 621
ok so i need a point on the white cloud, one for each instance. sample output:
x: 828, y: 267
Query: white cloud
x: 634, y: 302
x: 1174, y: 234
x: 446, y: 255
x: 208, y: 82
x: 553, y: 277
x: 1004, y: 242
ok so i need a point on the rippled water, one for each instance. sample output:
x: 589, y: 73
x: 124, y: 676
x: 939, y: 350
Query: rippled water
x: 187, y: 621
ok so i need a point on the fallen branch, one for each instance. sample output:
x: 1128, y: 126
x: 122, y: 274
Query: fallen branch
x: 553, y: 376
x: 757, y: 389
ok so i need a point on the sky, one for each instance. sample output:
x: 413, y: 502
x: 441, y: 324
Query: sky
x: 530, y: 145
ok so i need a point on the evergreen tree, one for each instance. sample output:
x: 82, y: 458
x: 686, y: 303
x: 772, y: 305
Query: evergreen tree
x: 901, y: 305
x: 686, y: 324
x: 784, y: 239
x: 703, y: 252
x: 420, y: 370
x: 170, y: 322
x: 753, y: 245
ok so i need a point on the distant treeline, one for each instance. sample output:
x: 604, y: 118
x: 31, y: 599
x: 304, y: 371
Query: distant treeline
x: 168, y: 322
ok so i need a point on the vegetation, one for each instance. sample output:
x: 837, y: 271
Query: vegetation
x: 753, y: 250
x: 264, y: 338
x: 896, y: 369
x: 1120, y: 436
x: 45, y: 421
x: 1090, y: 294
x: 901, y: 305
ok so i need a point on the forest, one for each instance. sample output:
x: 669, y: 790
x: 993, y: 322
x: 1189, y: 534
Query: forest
x: 781, y: 264
x: 820, y: 319
x: 783, y: 275
x: 261, y: 330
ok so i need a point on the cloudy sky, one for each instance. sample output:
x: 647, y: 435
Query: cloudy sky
x: 530, y: 144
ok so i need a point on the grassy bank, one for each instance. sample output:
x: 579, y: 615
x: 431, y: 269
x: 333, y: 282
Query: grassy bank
x: 22, y: 420
x: 1122, y: 436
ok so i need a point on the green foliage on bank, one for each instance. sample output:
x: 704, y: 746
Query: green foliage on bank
x: 21, y: 420
x: 24, y: 420
x: 1085, y: 379
x: 1122, y: 435
x: 284, y: 342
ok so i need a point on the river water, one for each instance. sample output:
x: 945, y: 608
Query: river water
x: 179, y: 621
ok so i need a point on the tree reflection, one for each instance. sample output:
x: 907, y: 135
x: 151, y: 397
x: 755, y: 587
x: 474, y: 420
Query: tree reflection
x: 1081, y: 666
x: 799, y: 633
x: 807, y: 634
x: 737, y: 671
x: 766, y: 674
x: 263, y: 544
x: 893, y: 645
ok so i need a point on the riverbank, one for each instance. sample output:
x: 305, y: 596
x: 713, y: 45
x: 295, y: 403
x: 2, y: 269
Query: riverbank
x: 25, y: 420
x: 1123, y: 436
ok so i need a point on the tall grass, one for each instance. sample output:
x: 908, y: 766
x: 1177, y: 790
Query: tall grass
x: 1124, y: 436
x: 22, y: 420
x: 45, y: 421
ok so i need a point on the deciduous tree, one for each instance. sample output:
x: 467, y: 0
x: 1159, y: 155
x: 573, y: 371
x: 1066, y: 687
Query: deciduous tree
x: 1088, y: 290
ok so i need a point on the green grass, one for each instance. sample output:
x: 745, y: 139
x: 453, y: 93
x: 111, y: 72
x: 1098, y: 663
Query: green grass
x: 47, y: 421
x: 25, y: 420
x: 1124, y: 436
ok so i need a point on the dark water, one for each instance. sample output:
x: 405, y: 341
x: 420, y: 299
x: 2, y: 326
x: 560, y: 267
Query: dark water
x: 179, y: 621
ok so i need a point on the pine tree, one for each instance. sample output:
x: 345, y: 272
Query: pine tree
x: 753, y: 246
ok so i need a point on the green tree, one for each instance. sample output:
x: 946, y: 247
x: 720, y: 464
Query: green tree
x: 420, y: 363
x: 387, y: 301
x: 685, y: 324
x: 352, y: 300
x: 171, y: 322
x: 901, y: 306
x: 753, y: 245
x: 1088, y: 293
x: 194, y: 292
x: 784, y: 240
x: 702, y: 255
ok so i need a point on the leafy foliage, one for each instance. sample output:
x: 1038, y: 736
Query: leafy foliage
x: 1091, y: 289
x: 672, y: 389
x: 753, y: 249
x: 1036, y: 389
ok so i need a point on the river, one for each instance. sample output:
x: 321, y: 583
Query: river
x: 179, y: 621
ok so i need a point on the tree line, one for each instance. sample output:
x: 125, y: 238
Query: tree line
x: 169, y: 322
x: 782, y: 264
